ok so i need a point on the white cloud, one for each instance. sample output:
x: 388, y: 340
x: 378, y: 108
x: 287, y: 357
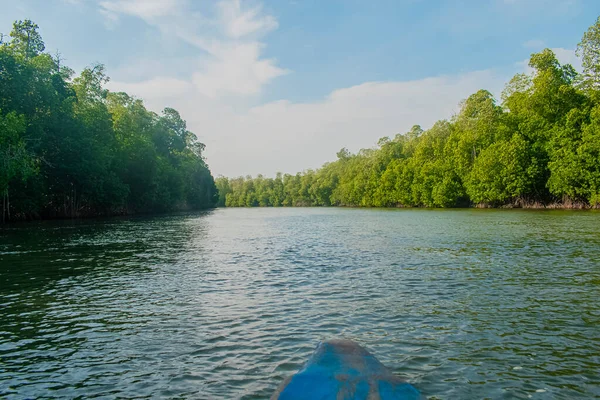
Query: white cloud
x: 294, y: 136
x: 145, y: 9
x: 229, y: 54
x: 282, y: 136
x: 239, y: 23
x: 568, y: 56
x: 236, y: 69
x: 289, y: 137
x: 158, y: 87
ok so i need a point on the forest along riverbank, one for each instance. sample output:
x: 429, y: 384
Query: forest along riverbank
x: 227, y: 303
x: 70, y: 148
x: 537, y: 146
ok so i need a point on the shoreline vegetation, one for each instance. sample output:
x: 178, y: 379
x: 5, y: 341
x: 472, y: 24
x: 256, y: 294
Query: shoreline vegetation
x: 69, y: 148
x: 538, y: 148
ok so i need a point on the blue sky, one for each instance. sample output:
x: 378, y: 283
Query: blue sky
x: 281, y: 85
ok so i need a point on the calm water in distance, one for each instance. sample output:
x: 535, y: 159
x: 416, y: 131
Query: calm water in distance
x: 227, y: 303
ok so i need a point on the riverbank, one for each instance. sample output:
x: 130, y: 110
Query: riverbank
x: 101, y: 216
x: 512, y: 206
x: 524, y: 206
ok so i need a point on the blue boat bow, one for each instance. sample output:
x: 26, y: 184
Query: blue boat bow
x: 342, y: 369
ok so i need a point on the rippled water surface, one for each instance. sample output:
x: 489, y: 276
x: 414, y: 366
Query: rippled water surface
x: 225, y: 304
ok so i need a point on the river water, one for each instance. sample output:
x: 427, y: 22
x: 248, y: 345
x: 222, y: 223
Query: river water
x: 227, y: 303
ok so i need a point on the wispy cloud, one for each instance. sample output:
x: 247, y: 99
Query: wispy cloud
x: 291, y: 136
x: 229, y: 60
x: 230, y: 67
x: 239, y: 23
x: 236, y: 69
x: 148, y: 10
x: 157, y: 87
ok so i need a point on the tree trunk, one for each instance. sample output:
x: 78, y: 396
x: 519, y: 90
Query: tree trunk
x: 27, y: 48
x: 74, y: 208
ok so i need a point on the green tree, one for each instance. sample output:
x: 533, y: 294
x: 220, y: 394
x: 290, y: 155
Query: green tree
x: 499, y: 173
x: 589, y: 51
x: 71, y: 148
x: 26, y: 40
x: 15, y: 160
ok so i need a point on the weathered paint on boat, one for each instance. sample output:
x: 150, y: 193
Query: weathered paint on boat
x: 342, y: 369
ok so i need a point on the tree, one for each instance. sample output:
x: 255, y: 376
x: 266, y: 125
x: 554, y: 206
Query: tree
x: 589, y: 51
x: 575, y: 151
x: 71, y: 148
x: 541, y: 144
x: 499, y: 173
x: 15, y: 160
x: 26, y: 40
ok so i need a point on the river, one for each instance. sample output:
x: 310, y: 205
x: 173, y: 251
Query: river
x: 227, y: 303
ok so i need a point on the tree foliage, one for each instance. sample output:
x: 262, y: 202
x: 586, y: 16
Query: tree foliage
x: 70, y: 148
x: 541, y: 144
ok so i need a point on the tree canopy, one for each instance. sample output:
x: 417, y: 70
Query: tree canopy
x: 540, y: 145
x: 71, y: 148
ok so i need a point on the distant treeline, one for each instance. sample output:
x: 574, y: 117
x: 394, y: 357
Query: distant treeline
x: 539, y: 147
x: 70, y: 148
